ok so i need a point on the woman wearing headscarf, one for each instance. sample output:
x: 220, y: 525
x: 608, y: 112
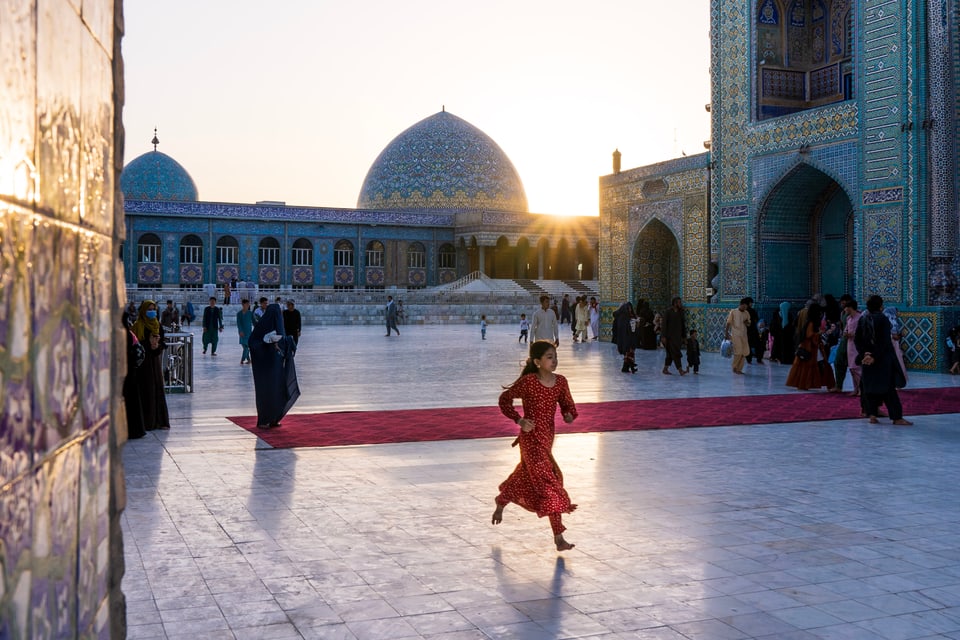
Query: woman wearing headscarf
x: 274, y: 373
x: 853, y: 315
x: 810, y: 369
x: 153, y: 402
x: 624, y: 337
x: 896, y: 333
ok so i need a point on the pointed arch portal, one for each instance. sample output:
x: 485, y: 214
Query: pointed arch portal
x: 656, y: 265
x: 805, y: 238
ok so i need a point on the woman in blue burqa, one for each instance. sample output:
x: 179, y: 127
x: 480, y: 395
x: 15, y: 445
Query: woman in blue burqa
x: 274, y: 373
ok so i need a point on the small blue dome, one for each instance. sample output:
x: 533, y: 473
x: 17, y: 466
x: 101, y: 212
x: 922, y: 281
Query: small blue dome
x: 443, y: 162
x: 157, y: 176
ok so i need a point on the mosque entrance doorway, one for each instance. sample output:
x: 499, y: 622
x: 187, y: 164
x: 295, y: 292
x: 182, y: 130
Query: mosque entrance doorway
x: 656, y: 266
x: 806, y: 238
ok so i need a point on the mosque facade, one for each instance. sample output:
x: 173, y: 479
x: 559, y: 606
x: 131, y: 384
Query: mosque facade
x: 441, y: 201
x: 831, y: 168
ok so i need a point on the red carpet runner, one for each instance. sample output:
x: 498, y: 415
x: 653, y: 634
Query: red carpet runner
x: 419, y: 425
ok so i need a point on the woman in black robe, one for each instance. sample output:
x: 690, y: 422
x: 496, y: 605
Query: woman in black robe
x: 153, y: 398
x: 136, y: 355
x: 274, y: 373
x: 784, y: 346
x: 624, y: 337
x: 646, y: 336
x: 881, y: 373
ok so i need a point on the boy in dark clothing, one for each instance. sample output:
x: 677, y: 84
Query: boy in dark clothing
x: 212, y: 326
x: 292, y: 322
x: 693, y: 352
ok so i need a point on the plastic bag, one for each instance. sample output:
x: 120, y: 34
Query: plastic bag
x: 726, y: 349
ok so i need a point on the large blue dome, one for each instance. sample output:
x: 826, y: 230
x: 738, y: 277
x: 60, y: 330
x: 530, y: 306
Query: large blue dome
x: 443, y: 162
x: 157, y: 176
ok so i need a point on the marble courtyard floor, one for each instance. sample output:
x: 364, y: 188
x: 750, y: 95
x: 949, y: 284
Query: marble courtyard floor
x: 829, y: 530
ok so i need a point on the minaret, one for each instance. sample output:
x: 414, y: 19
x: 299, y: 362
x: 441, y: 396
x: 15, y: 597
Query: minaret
x: 616, y: 161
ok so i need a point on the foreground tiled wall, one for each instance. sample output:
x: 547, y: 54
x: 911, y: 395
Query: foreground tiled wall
x: 61, y: 485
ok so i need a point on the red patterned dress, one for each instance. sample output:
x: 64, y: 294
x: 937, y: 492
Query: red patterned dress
x: 537, y: 482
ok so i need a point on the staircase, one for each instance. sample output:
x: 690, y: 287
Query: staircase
x: 531, y: 286
x: 579, y: 287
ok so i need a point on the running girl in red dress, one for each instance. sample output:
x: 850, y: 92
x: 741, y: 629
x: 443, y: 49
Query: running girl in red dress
x: 537, y: 483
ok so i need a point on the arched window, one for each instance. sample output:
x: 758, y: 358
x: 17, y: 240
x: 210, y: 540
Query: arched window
x: 374, y: 255
x: 228, y: 250
x: 447, y: 257
x: 148, y: 248
x: 302, y: 253
x: 191, y: 250
x: 343, y: 254
x: 416, y: 256
x: 269, y: 253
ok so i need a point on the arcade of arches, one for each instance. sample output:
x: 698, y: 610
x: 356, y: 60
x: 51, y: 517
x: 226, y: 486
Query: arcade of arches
x: 536, y: 260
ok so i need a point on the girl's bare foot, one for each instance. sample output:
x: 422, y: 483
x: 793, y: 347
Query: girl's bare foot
x: 497, y: 515
x: 563, y: 545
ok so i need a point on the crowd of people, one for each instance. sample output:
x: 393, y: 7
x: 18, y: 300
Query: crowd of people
x: 834, y: 337
x: 268, y: 338
x: 821, y: 342
x: 639, y: 327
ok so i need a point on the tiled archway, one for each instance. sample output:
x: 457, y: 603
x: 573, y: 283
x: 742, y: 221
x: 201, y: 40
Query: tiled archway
x: 656, y: 265
x: 805, y: 237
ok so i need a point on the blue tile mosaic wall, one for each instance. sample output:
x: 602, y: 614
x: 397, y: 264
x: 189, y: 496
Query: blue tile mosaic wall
x: 868, y: 146
x: 836, y: 195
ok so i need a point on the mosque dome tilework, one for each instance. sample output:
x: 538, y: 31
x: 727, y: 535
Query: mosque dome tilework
x: 157, y: 176
x: 443, y: 162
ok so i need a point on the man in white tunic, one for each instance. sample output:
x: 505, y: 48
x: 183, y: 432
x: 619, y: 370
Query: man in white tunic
x: 736, y: 332
x: 544, y: 325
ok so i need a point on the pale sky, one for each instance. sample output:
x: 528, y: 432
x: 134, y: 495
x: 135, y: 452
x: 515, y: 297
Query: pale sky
x: 293, y: 100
